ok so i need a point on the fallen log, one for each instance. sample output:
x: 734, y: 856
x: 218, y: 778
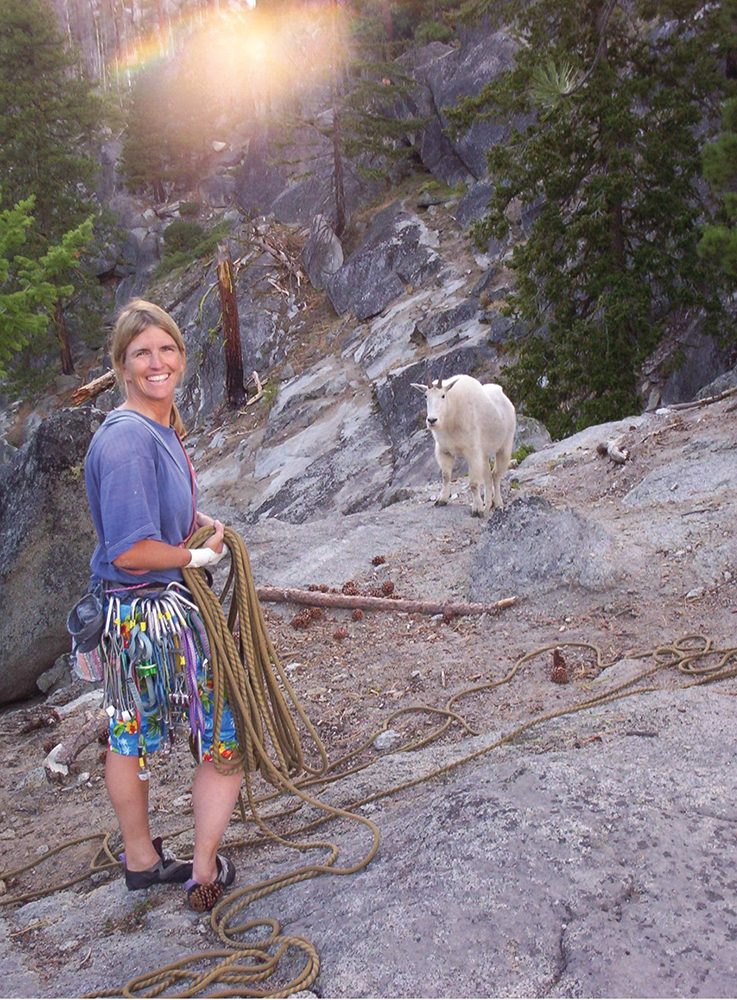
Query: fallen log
x: 323, y: 600
x: 702, y: 402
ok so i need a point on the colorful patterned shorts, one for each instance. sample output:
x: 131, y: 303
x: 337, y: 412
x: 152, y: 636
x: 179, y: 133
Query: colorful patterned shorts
x: 156, y: 722
x: 124, y: 735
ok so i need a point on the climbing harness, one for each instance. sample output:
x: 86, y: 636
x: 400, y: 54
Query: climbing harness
x: 149, y: 651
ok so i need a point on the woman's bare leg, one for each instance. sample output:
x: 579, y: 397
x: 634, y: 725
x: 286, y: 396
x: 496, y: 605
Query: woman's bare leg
x: 214, y: 796
x: 129, y: 796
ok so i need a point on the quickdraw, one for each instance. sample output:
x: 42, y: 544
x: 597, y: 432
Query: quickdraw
x: 150, y: 649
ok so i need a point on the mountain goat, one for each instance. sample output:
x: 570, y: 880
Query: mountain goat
x: 475, y: 421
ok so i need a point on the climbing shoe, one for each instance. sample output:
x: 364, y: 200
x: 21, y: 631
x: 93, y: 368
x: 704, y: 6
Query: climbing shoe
x: 167, y: 869
x: 204, y: 897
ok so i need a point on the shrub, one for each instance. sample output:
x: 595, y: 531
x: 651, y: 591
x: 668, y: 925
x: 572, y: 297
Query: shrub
x: 433, y: 31
x: 182, y: 235
x: 189, y: 242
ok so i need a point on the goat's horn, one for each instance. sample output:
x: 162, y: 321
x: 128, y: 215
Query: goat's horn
x: 429, y: 382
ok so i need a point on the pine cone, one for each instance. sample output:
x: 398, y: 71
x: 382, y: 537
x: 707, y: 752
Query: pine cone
x: 559, y: 673
x: 303, y: 619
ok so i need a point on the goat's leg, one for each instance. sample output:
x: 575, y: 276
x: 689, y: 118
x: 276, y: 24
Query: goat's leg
x: 488, y: 486
x: 446, y: 461
x: 477, y: 475
x: 501, y: 463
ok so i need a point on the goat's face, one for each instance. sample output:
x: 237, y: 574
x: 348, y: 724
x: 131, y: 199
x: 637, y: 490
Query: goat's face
x: 435, y: 398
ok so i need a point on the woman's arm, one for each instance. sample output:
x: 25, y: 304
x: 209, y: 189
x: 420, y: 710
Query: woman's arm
x: 149, y: 554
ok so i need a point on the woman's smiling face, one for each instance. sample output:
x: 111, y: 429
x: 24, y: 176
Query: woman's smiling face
x: 153, y: 365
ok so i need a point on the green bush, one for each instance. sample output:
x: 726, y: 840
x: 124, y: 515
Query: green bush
x: 522, y: 452
x: 190, y: 242
x: 433, y: 31
x: 182, y: 235
x: 189, y: 208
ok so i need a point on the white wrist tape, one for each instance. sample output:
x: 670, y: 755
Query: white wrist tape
x: 204, y: 557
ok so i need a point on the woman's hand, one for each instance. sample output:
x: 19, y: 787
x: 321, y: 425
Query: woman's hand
x: 203, y: 520
x: 215, y: 541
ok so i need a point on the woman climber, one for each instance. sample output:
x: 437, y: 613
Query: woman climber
x: 143, y: 498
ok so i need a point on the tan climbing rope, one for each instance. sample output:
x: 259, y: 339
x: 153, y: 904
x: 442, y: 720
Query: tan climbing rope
x: 267, y: 716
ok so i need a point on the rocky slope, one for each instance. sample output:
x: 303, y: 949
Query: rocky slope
x: 579, y: 860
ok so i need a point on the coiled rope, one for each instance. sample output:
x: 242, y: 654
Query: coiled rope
x: 259, y: 693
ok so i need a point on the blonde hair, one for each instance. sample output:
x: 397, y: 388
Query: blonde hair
x: 138, y: 316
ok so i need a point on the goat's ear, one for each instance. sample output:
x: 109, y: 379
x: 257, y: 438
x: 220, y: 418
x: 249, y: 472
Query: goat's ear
x: 420, y: 388
x: 450, y: 384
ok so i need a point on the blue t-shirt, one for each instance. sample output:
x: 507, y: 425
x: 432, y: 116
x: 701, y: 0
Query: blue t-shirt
x: 137, y: 488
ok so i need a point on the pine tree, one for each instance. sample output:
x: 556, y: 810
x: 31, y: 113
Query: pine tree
x: 719, y: 160
x: 146, y: 160
x: 623, y: 97
x: 47, y: 113
x: 719, y: 242
x: 31, y: 288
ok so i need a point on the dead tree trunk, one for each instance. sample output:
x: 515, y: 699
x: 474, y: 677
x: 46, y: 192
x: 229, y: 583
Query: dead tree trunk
x: 67, y: 365
x: 235, y: 390
x: 338, y: 178
x: 320, y: 599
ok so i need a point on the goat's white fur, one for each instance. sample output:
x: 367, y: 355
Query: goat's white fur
x: 474, y: 421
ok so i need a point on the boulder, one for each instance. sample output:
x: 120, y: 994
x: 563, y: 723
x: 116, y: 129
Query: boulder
x: 395, y: 253
x: 475, y: 203
x: 435, y: 327
x: 322, y: 254
x: 46, y: 540
x: 722, y: 383
x: 684, y: 363
x: 340, y: 461
x: 531, y: 548
x: 530, y: 432
x: 445, y: 74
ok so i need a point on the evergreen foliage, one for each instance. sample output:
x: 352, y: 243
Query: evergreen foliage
x: 186, y: 241
x: 619, y: 97
x: 46, y: 114
x: 146, y: 159
x: 719, y: 160
x: 30, y: 288
x: 719, y: 242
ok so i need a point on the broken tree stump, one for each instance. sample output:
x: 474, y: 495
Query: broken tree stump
x: 91, y: 390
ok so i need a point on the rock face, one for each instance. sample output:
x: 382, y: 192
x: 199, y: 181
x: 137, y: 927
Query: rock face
x: 444, y: 74
x: 46, y: 539
x: 322, y: 255
x: 396, y: 253
x: 265, y: 186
